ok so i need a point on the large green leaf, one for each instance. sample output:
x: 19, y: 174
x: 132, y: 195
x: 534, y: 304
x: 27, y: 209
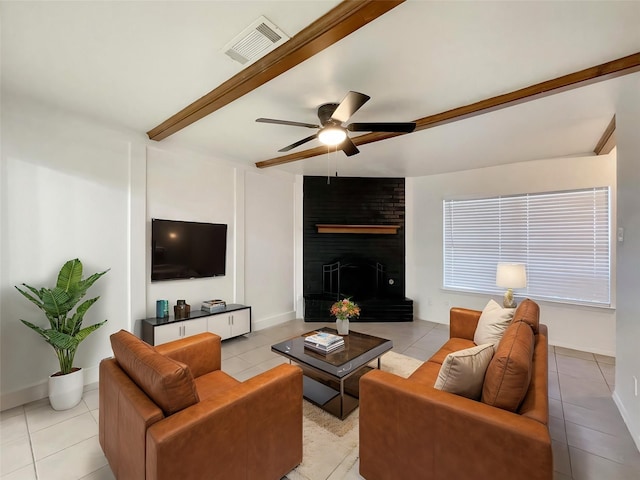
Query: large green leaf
x: 37, y: 329
x: 78, y: 289
x: 31, y: 298
x: 56, y: 302
x: 70, y: 275
x: 33, y: 290
x: 84, y: 333
x: 75, y: 322
x: 62, y: 341
x: 85, y: 284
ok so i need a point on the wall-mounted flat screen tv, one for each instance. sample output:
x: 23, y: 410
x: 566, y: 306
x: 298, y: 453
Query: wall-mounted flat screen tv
x: 187, y: 249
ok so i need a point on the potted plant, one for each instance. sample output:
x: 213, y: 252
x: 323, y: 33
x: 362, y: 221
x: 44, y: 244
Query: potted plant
x: 343, y: 310
x: 65, y: 330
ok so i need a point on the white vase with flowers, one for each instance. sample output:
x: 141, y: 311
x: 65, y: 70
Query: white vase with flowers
x: 343, y: 310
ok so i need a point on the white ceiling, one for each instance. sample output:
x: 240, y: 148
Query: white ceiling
x: 134, y: 64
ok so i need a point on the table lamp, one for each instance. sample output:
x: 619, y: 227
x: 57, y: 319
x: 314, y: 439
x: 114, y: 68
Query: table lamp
x: 510, y: 276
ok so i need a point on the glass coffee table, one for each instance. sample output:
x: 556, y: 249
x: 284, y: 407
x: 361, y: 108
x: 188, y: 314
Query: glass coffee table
x: 331, y: 381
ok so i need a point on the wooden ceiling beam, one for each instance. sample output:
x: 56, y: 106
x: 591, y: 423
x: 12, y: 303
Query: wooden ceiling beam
x: 598, y: 73
x: 344, y: 19
x: 608, y: 139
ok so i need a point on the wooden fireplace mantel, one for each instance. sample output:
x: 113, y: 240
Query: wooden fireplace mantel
x: 341, y: 228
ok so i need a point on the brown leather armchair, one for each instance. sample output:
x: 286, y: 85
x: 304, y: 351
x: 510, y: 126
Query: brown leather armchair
x: 169, y: 412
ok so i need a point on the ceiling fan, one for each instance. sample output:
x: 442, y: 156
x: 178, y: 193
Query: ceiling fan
x: 331, y: 130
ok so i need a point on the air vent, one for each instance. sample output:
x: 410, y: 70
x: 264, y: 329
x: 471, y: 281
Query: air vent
x: 255, y: 41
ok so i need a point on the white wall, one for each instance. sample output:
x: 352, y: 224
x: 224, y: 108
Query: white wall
x: 190, y: 187
x: 66, y: 192
x: 258, y: 209
x: 582, y: 328
x: 628, y: 311
x: 269, y: 247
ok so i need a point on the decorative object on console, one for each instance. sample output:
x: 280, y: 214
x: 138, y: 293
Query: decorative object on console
x: 65, y: 330
x: 343, y: 310
x: 510, y: 276
x: 162, y: 308
x: 211, y: 306
x: 181, y: 310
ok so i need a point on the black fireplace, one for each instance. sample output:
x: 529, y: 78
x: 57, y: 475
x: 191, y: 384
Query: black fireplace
x: 353, y: 278
x: 345, y: 263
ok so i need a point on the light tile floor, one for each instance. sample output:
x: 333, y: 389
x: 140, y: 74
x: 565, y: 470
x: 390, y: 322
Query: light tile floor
x: 590, y: 440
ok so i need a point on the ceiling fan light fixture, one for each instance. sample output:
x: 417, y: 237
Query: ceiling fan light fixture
x: 332, y: 135
x: 332, y: 116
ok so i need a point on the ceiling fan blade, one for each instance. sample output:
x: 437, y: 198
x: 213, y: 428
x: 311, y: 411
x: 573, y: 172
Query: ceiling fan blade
x: 349, y: 105
x: 298, y: 143
x: 348, y: 147
x: 286, y: 122
x: 404, y: 127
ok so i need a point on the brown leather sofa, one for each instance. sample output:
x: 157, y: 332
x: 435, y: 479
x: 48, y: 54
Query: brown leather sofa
x: 168, y: 412
x: 409, y: 429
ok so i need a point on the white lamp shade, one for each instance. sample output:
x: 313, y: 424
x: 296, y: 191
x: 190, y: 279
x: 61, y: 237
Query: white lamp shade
x: 511, y: 275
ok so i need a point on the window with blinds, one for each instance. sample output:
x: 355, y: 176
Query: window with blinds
x: 562, y: 237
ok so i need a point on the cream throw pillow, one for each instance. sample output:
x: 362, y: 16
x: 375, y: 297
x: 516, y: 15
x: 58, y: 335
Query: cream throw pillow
x: 494, y: 320
x: 462, y: 372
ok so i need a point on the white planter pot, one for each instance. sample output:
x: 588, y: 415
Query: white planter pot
x: 65, y: 391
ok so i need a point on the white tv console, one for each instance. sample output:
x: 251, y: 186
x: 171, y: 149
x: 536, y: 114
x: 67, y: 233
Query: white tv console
x: 233, y: 321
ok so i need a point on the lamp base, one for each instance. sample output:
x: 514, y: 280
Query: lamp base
x: 508, y: 300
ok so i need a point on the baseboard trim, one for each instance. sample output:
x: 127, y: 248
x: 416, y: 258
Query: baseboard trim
x: 275, y: 320
x: 40, y: 390
x: 23, y: 396
x: 597, y: 351
x: 635, y: 435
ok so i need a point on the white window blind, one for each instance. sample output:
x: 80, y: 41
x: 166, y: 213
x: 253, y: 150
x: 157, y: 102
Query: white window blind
x: 562, y: 237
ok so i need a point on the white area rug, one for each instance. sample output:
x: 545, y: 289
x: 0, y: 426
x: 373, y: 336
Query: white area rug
x: 330, y: 445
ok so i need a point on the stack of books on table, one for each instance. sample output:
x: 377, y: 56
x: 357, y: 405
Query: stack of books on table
x: 324, y: 342
x: 212, y: 306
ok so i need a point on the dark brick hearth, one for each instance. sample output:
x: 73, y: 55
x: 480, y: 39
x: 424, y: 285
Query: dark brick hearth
x: 369, y: 268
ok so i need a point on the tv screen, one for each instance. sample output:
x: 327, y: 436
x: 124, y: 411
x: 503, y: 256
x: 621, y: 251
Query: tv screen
x: 187, y: 249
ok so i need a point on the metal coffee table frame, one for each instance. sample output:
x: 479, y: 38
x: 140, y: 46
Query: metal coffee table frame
x: 331, y: 380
